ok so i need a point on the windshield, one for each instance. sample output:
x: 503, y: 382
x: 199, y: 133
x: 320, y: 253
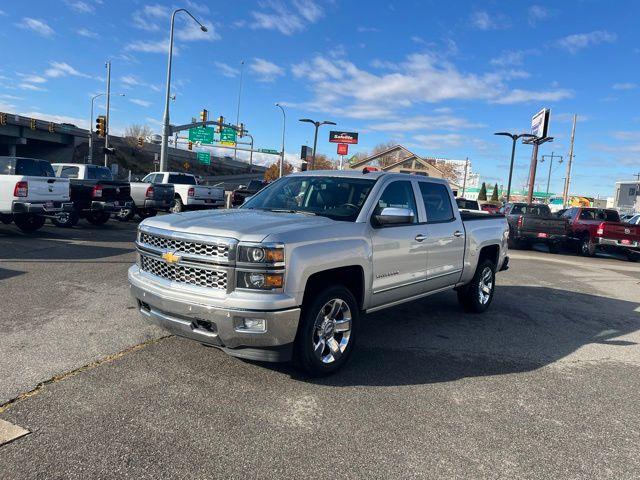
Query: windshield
x: 537, y: 210
x: 593, y: 214
x: 333, y: 197
x: 254, y: 185
x: 182, y: 179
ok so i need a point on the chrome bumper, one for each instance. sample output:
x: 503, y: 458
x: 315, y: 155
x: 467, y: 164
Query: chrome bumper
x: 220, y: 327
x: 42, y: 208
x: 608, y: 242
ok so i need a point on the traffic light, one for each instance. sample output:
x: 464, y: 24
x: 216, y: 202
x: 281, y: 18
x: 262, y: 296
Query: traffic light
x: 101, y: 126
x: 52, y: 127
x: 220, y: 122
x: 190, y: 145
x: 32, y: 124
x: 204, y: 114
x: 241, y: 130
x: 140, y: 142
x: 3, y: 118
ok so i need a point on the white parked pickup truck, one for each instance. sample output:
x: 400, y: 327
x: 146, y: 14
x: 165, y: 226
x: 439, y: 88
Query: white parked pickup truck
x: 188, y: 194
x: 30, y: 193
x: 289, y: 274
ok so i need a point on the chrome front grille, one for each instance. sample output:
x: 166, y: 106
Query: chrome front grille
x: 212, y: 251
x: 187, y: 274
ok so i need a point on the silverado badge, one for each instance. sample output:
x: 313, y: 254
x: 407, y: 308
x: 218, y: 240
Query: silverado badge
x: 170, y: 257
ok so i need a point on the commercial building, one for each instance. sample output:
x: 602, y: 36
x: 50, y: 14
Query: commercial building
x: 627, y: 196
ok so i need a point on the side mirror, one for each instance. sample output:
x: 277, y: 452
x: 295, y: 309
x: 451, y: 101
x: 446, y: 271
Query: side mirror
x: 394, y: 216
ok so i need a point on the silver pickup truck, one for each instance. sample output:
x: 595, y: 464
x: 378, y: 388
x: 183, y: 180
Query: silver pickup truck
x: 290, y: 274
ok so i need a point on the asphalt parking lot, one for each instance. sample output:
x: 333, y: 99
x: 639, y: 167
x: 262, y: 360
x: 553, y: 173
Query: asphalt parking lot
x: 543, y: 385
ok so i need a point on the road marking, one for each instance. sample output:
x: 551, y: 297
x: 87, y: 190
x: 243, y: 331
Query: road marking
x: 9, y: 432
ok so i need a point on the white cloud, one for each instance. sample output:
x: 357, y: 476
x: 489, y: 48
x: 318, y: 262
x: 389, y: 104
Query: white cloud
x: 287, y: 19
x: 3, y: 13
x: 63, y: 69
x: 190, y: 31
x: 439, y: 141
x: 226, y: 70
x: 85, y: 32
x: 31, y: 87
x: 265, y: 70
x: 80, y: 6
x: 140, y: 102
x: 423, y: 122
x: 484, y: 21
x: 523, y: 96
x: 578, y: 41
x: 37, y: 26
x: 538, y: 13
x: 508, y: 58
x: 161, y: 46
x: 148, y: 17
x: 29, y: 78
x: 625, y: 86
x: 130, y: 81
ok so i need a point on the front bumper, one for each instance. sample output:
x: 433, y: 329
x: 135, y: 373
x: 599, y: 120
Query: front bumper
x: 609, y: 242
x: 217, y: 326
x: 41, y: 208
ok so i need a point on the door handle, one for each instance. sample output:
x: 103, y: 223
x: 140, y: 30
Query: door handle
x: 420, y: 238
x: 457, y: 233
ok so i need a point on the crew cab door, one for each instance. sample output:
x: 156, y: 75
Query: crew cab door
x: 445, y: 236
x: 399, y: 254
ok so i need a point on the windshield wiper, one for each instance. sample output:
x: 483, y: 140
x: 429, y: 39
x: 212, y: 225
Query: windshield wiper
x: 284, y: 210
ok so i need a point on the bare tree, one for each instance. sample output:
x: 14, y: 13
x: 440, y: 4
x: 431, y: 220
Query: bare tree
x: 135, y: 131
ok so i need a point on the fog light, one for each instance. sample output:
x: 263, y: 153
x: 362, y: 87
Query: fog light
x: 253, y: 325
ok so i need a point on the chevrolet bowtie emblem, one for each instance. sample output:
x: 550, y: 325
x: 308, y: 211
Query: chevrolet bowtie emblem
x: 170, y: 257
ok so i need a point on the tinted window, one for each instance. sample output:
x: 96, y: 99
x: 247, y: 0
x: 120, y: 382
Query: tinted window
x: 91, y: 173
x: 182, y: 179
x: 7, y: 166
x: 103, y: 173
x: 33, y: 168
x: 604, y: 215
x: 437, y: 202
x: 68, y: 172
x: 254, y: 185
x: 467, y: 204
x: 399, y: 195
x: 538, y: 210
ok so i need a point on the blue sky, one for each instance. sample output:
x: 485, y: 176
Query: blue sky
x: 439, y: 77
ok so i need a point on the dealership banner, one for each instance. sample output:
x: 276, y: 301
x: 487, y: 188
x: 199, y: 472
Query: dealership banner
x: 350, y: 138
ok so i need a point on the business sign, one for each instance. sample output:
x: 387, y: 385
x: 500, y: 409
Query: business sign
x: 203, y: 135
x: 343, y: 148
x: 540, y: 123
x: 228, y: 137
x: 204, y: 158
x: 343, y: 137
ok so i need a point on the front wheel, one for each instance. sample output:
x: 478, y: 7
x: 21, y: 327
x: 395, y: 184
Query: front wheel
x: 29, y: 223
x: 587, y: 248
x: 326, y: 334
x: 477, y: 295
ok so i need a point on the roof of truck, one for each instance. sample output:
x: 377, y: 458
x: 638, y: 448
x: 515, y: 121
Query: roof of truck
x: 361, y: 174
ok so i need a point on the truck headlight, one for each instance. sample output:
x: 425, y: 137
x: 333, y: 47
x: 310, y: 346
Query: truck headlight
x: 260, y: 280
x: 260, y: 254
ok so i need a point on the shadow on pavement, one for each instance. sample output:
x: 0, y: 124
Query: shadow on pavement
x: 432, y: 340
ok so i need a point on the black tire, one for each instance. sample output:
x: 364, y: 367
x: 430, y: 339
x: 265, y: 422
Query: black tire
x: 586, y: 247
x: 632, y: 256
x: 98, y: 218
x: 310, y: 359
x: 554, y: 247
x: 125, y: 214
x: 29, y: 223
x: 177, y: 205
x: 470, y: 297
x: 143, y: 214
x: 66, y: 221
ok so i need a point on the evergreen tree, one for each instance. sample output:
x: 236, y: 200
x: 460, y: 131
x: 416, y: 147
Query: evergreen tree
x: 494, y: 195
x: 482, y: 196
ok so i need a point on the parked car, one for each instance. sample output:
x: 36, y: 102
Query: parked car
x: 465, y: 205
x: 239, y: 195
x: 534, y: 223
x: 593, y: 229
x: 150, y: 197
x: 188, y: 195
x: 30, y: 193
x: 490, y: 207
x: 288, y: 274
x: 94, y: 193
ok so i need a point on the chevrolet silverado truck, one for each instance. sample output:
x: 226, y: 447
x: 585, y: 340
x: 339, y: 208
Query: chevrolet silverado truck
x: 94, y: 193
x: 593, y: 229
x: 30, y: 193
x: 534, y: 223
x: 188, y: 194
x: 289, y: 274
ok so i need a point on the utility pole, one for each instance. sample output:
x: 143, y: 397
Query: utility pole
x: 106, y: 132
x: 552, y: 156
x: 464, y: 181
x: 567, y: 180
x: 235, y: 150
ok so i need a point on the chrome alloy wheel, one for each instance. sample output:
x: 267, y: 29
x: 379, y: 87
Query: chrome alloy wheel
x: 485, y: 286
x: 331, y: 330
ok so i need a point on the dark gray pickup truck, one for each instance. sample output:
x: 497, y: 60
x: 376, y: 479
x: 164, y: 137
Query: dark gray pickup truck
x: 534, y: 223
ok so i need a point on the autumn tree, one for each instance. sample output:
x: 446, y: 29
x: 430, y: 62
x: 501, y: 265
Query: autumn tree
x: 482, y: 196
x: 273, y: 171
x: 135, y: 131
x: 322, y: 162
x: 448, y: 169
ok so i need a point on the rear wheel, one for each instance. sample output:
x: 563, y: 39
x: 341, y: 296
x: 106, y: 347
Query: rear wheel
x: 29, y: 223
x: 477, y: 295
x: 586, y: 248
x: 326, y: 334
x: 66, y: 220
x: 98, y: 218
x: 177, y: 206
x: 125, y: 214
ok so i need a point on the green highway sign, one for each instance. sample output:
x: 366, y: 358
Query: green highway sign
x: 201, y: 134
x: 204, y: 158
x: 228, y: 136
x: 268, y: 150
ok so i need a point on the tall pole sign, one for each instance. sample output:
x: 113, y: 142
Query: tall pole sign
x: 539, y: 128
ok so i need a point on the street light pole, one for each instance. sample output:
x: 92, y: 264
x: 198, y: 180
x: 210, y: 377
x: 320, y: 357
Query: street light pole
x: 166, y: 127
x: 90, y: 154
x: 235, y: 150
x: 315, y: 136
x: 106, y: 128
x: 284, y: 125
x: 514, y: 138
x: 551, y: 157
